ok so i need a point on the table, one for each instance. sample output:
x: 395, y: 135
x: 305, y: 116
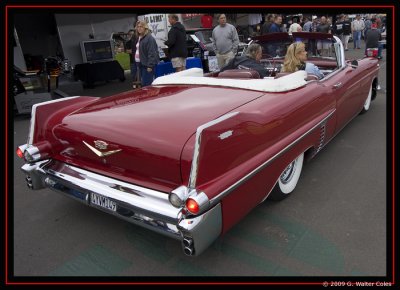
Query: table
x: 90, y: 73
x: 165, y: 68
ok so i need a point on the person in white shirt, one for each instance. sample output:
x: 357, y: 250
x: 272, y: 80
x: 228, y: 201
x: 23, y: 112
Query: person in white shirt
x: 294, y: 27
x: 357, y: 27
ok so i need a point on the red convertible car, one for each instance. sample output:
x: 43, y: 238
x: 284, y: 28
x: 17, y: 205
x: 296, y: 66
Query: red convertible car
x: 192, y: 154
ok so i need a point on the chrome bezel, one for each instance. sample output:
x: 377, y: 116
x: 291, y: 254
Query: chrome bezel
x: 32, y: 154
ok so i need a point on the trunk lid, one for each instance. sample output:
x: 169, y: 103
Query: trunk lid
x: 143, y: 131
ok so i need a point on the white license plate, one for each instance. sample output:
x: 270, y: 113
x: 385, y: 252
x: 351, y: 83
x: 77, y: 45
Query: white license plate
x: 102, y: 201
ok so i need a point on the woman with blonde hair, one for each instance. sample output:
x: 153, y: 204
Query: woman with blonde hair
x: 295, y: 59
x: 145, y: 52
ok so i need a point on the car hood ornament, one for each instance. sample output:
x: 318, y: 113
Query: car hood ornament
x: 101, y: 145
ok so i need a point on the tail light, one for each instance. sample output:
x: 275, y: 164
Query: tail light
x: 192, y: 206
x: 33, y: 153
x: 20, y: 153
x: 190, y: 200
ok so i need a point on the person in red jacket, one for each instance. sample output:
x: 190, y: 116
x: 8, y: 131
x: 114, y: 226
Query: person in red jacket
x: 206, y: 21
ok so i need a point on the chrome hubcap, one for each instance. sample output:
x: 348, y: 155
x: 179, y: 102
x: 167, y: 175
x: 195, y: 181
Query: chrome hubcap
x: 288, y: 173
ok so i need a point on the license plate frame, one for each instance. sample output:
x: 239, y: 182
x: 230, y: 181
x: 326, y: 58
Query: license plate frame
x: 102, y: 202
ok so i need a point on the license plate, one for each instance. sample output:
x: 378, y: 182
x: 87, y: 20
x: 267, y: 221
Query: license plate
x: 102, y: 201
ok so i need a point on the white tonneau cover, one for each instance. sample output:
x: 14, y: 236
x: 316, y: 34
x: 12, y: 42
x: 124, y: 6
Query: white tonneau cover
x: 194, y: 76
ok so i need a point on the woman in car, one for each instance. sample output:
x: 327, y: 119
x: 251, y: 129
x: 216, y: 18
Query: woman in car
x: 295, y: 59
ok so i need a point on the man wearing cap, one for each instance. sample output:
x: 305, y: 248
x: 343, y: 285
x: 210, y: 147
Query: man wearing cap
x: 357, y: 26
x: 372, y: 40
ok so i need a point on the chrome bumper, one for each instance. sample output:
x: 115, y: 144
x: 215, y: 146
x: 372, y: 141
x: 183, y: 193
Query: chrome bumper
x: 142, y: 206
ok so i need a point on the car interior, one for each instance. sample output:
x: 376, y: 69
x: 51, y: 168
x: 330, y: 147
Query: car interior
x: 326, y: 61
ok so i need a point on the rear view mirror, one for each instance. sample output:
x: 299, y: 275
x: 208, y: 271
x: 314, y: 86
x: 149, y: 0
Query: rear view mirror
x: 354, y: 64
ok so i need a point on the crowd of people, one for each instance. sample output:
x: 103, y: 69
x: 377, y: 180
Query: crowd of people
x: 144, y: 54
x: 343, y: 27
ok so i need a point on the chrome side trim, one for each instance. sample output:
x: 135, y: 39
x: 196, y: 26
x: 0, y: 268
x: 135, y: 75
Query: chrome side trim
x: 217, y: 198
x: 196, y: 151
x: 33, y: 116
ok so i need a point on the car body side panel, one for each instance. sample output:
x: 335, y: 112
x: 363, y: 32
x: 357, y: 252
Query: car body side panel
x: 233, y: 148
x: 248, y: 195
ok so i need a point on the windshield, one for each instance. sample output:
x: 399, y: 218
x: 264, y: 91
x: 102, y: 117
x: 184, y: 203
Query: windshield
x: 204, y: 35
x: 278, y: 48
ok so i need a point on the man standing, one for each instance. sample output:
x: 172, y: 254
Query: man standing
x: 307, y: 25
x: 372, y: 40
x: 177, y: 47
x: 276, y: 26
x: 323, y: 46
x: 273, y: 49
x: 338, y: 27
x: 225, y: 41
x: 357, y: 26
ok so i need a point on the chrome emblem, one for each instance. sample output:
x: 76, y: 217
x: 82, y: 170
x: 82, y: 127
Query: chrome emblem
x: 100, y: 144
x: 103, y: 145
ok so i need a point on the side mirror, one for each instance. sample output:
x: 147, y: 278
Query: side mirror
x: 354, y: 64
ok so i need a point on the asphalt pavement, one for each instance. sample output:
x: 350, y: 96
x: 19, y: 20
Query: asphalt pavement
x: 333, y: 225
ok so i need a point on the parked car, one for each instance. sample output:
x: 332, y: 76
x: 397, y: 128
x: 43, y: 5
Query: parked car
x: 205, y: 37
x: 192, y: 154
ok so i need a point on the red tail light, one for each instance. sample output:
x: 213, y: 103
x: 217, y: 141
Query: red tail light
x: 20, y: 153
x: 192, y: 206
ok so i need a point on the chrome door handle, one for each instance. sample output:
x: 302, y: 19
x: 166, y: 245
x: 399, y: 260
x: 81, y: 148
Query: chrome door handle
x: 338, y: 85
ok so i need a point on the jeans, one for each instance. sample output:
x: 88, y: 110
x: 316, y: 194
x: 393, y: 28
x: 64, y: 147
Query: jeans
x: 146, y: 77
x: 357, y: 39
x: 133, y: 71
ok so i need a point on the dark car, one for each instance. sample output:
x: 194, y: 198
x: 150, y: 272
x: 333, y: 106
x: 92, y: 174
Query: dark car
x: 202, y: 34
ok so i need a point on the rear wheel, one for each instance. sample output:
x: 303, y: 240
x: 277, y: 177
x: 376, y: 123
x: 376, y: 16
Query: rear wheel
x: 367, y: 103
x: 288, y: 179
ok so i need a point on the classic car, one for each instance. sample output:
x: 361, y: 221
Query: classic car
x: 192, y: 154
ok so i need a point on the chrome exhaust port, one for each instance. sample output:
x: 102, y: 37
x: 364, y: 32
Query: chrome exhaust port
x: 188, y: 246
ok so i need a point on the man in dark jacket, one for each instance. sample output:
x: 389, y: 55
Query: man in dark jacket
x: 372, y: 40
x: 249, y: 61
x: 177, y: 47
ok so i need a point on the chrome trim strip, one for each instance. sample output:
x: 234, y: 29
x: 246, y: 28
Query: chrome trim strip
x: 196, y: 151
x: 33, y: 116
x: 217, y: 198
x: 141, y: 200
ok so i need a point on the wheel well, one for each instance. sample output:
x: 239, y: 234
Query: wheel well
x: 310, y: 153
x: 374, y: 88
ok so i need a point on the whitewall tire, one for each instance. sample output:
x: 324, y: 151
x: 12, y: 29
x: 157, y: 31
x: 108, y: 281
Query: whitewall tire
x: 367, y: 103
x: 288, y: 179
